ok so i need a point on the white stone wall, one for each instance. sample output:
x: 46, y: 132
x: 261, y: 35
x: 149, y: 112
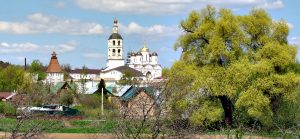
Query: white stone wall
x: 145, y: 57
x: 78, y: 76
x: 154, y: 60
x: 116, y: 75
x: 54, y: 78
x: 115, y: 63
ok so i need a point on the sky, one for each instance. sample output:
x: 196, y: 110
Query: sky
x: 78, y: 29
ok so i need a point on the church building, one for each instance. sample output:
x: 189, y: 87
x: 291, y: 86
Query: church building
x: 145, y: 62
x: 115, y: 60
x: 142, y: 63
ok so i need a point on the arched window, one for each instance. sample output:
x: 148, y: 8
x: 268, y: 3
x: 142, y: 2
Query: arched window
x: 114, y: 52
x: 119, y: 52
x: 148, y: 75
x: 114, y: 42
x: 119, y: 43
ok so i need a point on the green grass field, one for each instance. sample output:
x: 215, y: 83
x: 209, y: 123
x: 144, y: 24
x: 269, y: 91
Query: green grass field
x: 99, y: 126
x: 60, y: 126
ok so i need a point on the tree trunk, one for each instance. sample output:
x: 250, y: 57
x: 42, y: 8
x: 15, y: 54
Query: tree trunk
x: 228, y: 110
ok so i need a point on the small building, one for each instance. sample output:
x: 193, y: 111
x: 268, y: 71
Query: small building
x: 138, y: 102
x: 6, y: 96
x: 111, y: 76
x: 54, y: 72
x: 61, y: 87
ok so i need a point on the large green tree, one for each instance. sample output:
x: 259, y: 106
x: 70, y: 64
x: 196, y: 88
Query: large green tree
x: 231, y: 65
x: 11, y: 78
x: 37, y: 68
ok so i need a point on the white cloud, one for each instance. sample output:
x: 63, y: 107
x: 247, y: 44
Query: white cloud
x: 134, y: 6
x: 61, y: 48
x: 94, y: 55
x: 291, y: 26
x: 272, y: 5
x: 31, y: 47
x: 60, y: 4
x: 165, y: 49
x: 40, y: 23
x: 295, y: 40
x: 160, y: 7
x: 17, y: 47
x: 134, y: 28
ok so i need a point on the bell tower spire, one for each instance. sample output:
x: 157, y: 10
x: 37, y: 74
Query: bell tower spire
x: 115, y: 48
x: 115, y: 29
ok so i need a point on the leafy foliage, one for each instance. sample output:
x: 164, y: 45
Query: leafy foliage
x: 128, y: 79
x: 37, y: 68
x: 7, y: 108
x: 233, y: 66
x: 4, y: 64
x: 11, y: 78
x: 67, y: 98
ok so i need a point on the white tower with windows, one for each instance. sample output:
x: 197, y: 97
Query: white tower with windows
x: 115, y: 49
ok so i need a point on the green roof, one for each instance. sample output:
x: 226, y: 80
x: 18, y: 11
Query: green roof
x: 132, y: 91
x: 54, y: 89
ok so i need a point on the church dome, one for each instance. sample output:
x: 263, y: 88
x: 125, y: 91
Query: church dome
x: 132, y: 54
x: 115, y: 36
x: 154, y: 54
x: 145, y: 49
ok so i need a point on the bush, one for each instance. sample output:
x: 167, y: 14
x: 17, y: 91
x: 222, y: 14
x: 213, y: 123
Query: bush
x: 90, y: 101
x: 67, y: 98
x: 7, y: 108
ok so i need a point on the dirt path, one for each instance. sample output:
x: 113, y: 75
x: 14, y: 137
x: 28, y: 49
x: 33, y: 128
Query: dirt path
x: 67, y: 136
x: 111, y: 136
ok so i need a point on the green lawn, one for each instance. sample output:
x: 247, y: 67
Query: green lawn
x: 58, y: 126
x: 98, y: 126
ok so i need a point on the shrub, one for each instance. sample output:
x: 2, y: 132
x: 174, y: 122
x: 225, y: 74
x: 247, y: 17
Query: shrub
x: 67, y: 99
x: 7, y: 108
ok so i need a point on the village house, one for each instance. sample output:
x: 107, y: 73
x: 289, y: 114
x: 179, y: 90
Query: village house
x: 138, y: 102
x: 7, y: 96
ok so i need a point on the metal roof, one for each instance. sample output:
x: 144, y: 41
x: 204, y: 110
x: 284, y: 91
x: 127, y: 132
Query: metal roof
x: 133, y: 91
x: 115, y: 36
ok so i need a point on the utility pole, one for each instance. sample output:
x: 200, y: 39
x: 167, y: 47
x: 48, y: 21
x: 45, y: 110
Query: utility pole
x: 102, y: 101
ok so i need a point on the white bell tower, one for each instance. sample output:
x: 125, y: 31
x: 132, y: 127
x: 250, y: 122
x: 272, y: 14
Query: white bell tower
x: 115, y: 48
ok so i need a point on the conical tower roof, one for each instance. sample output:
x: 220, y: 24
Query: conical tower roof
x: 53, y: 65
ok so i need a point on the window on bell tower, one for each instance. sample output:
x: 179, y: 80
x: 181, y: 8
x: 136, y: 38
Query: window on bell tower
x: 119, y: 43
x: 114, y: 52
x: 114, y: 42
